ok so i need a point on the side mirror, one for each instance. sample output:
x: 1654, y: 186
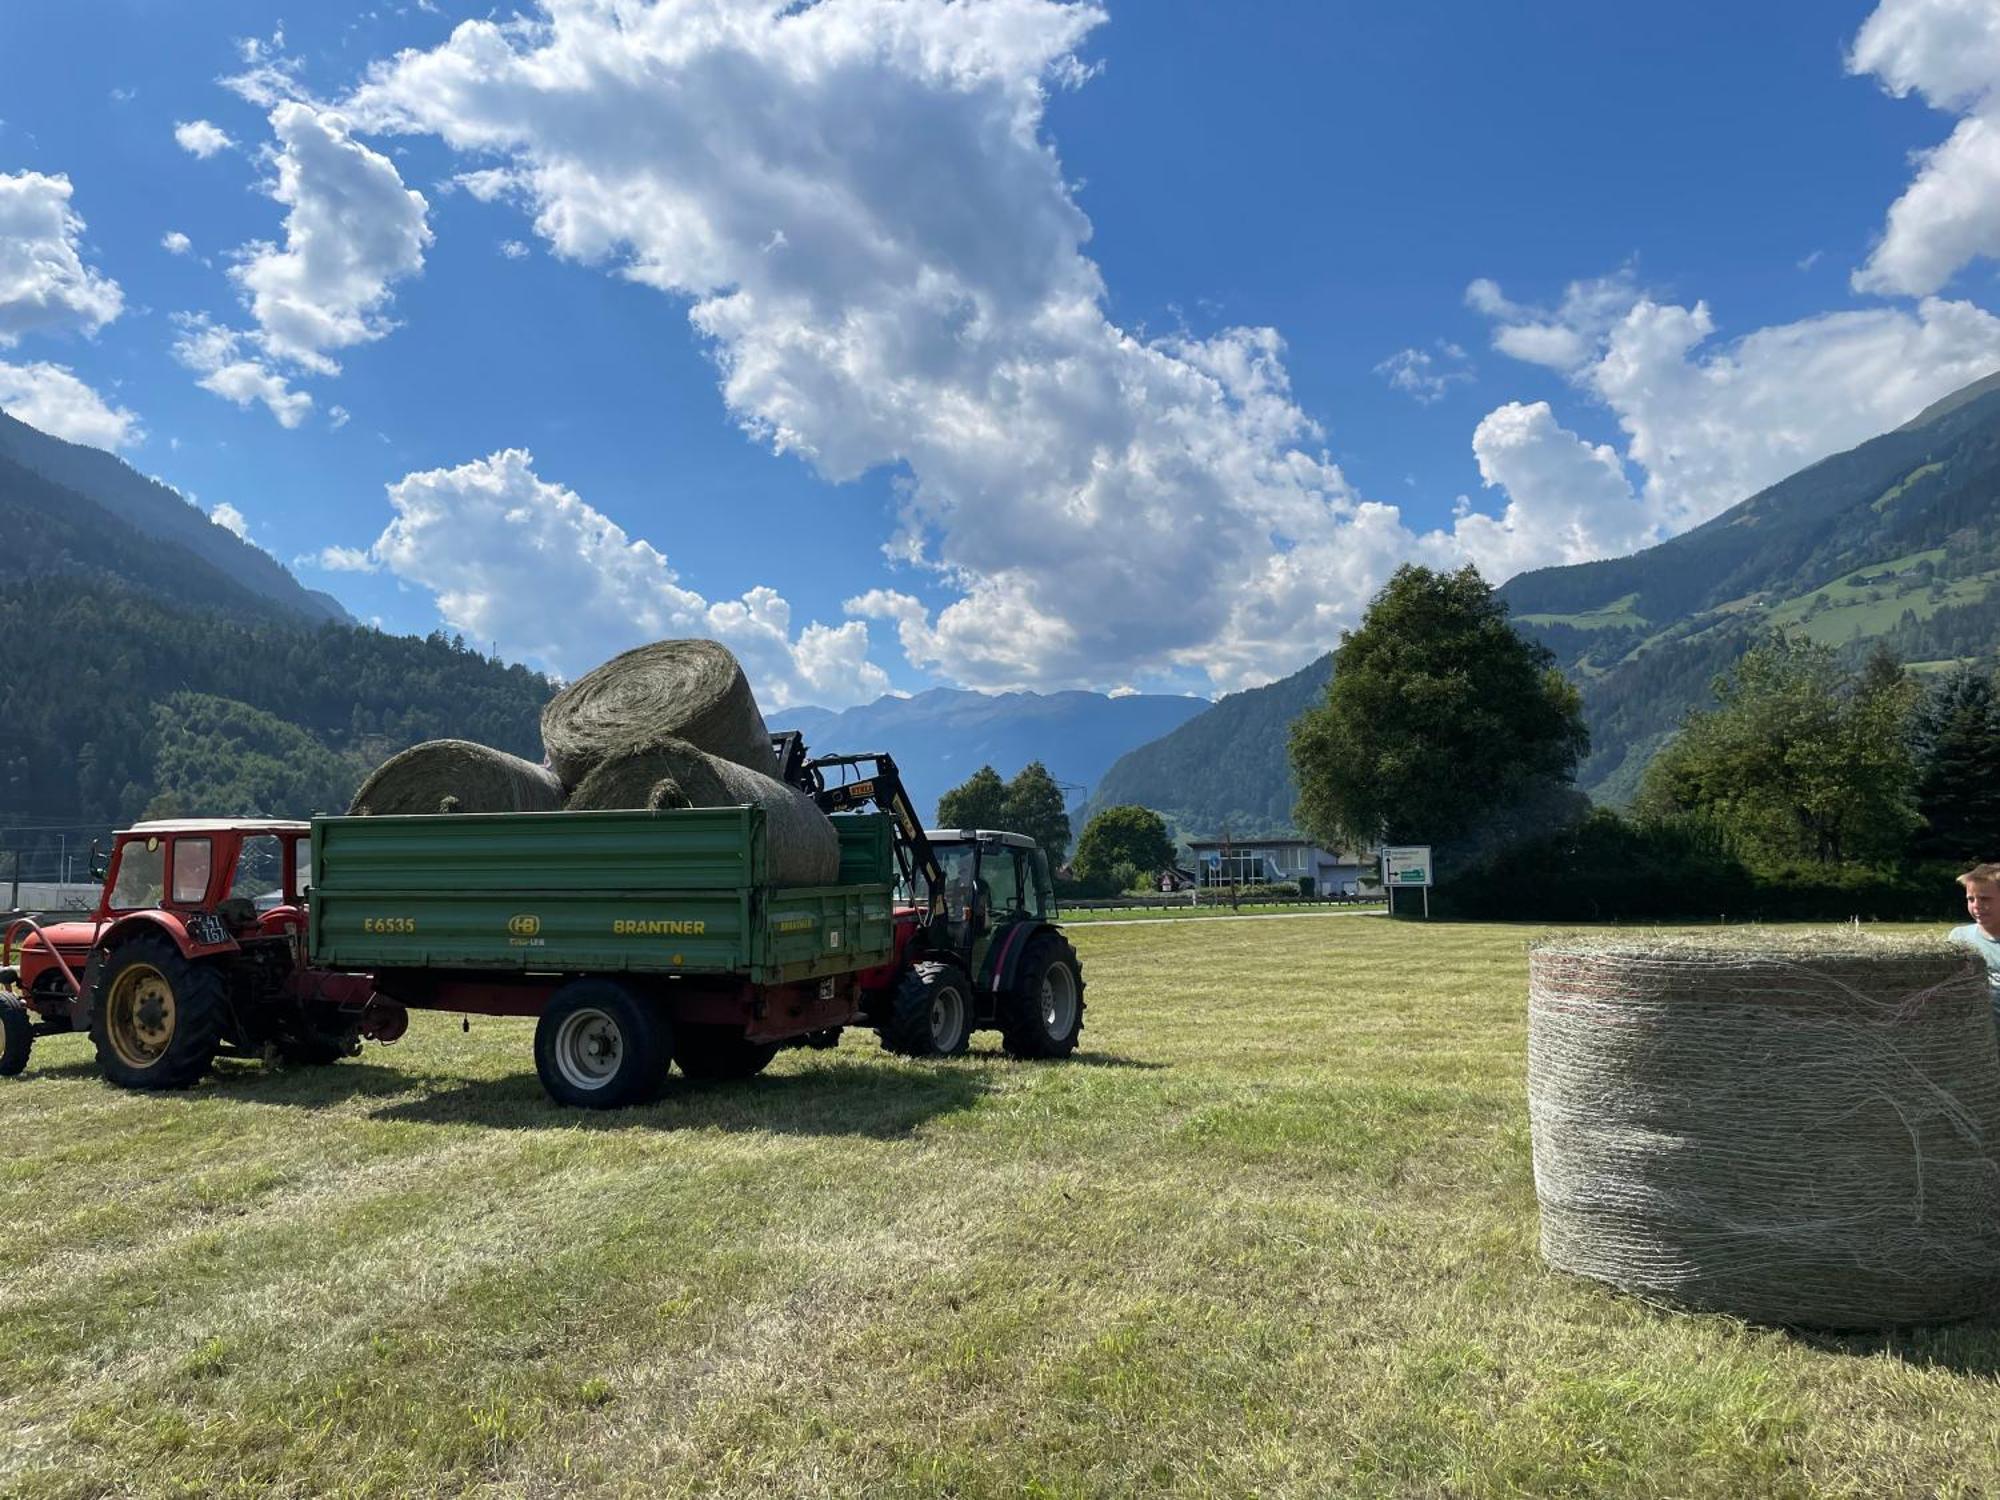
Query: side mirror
x: 97, y: 866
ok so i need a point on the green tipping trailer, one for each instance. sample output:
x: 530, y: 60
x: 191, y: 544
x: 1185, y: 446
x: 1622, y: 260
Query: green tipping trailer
x: 638, y: 937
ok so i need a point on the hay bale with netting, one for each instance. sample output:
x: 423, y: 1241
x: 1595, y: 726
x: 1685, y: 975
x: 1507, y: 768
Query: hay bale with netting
x: 692, y: 691
x: 458, y: 776
x: 1799, y: 1131
x: 802, y: 846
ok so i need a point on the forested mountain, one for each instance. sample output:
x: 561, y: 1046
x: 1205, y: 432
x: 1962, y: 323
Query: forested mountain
x: 1895, y: 542
x: 1225, y: 768
x: 136, y: 673
x: 155, y: 511
x: 942, y: 736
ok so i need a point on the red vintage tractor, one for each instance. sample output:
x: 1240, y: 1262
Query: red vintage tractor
x: 196, y: 948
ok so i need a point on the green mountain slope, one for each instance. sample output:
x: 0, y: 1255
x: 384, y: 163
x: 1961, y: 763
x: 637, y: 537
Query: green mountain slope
x: 136, y: 673
x: 1895, y: 542
x: 155, y: 511
x: 1225, y: 768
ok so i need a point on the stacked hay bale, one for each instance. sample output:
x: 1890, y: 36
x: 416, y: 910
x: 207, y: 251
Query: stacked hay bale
x: 458, y: 776
x: 1796, y: 1131
x: 672, y: 724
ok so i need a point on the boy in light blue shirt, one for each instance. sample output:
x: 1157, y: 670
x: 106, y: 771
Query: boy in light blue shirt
x: 1982, y: 933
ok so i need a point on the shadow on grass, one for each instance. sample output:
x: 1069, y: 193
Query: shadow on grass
x: 1969, y: 1348
x: 834, y: 1098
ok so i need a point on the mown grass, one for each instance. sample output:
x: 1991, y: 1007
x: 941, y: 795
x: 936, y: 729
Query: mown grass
x: 1272, y: 1233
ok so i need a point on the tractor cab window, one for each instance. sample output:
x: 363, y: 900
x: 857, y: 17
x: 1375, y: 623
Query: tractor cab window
x: 260, y: 871
x: 302, y: 866
x: 957, y: 861
x: 1000, y: 872
x: 142, y: 875
x: 193, y: 863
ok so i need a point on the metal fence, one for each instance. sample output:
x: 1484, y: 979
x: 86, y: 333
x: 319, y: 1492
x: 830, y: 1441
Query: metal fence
x: 1211, y: 897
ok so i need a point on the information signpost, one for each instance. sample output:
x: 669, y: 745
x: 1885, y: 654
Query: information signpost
x: 1407, y: 865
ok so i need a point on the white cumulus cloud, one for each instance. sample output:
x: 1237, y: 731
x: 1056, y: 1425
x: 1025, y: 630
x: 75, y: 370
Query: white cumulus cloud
x: 50, y: 397
x: 44, y: 285
x: 351, y: 230
x: 175, y: 243
x: 1948, y: 51
x: 201, y: 138
x: 1709, y: 422
x: 1425, y: 374
x: 880, y: 249
x: 225, y: 366
x: 230, y: 519
x: 512, y: 558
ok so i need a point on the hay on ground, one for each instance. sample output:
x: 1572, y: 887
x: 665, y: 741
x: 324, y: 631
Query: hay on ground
x: 458, y: 776
x: 1796, y: 1131
x: 693, y: 691
x: 802, y: 846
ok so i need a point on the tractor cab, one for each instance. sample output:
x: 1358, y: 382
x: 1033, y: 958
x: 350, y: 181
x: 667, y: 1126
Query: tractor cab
x: 198, y: 888
x: 991, y: 879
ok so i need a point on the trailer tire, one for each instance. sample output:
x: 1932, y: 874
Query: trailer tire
x: 17, y: 1037
x: 156, y: 1017
x: 1042, y: 1015
x: 930, y: 1015
x: 599, y: 1046
x: 720, y: 1053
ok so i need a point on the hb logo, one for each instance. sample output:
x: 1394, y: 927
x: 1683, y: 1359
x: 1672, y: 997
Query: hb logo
x: 524, y: 926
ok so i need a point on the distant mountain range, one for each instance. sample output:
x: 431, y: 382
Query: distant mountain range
x: 163, y: 514
x: 941, y: 737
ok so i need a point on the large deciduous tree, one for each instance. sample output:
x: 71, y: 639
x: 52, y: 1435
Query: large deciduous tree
x: 1438, y: 716
x: 980, y: 801
x: 1128, y: 835
x: 1802, y: 758
x: 1034, y: 806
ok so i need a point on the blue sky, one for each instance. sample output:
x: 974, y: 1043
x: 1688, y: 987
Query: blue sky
x: 1010, y: 343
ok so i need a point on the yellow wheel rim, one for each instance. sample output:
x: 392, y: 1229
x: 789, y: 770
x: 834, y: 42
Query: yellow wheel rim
x: 139, y: 1021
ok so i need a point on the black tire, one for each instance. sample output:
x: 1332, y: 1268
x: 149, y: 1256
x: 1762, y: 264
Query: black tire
x: 155, y: 1017
x: 1042, y: 1015
x: 599, y: 1046
x: 931, y: 1014
x: 720, y: 1053
x: 17, y: 1040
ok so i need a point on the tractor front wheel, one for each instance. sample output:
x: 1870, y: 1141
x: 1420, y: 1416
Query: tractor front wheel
x: 599, y: 1046
x: 156, y: 1017
x: 1042, y: 1015
x: 931, y: 1014
x: 17, y: 1037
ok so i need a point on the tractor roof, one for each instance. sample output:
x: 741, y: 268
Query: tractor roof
x: 978, y: 835
x: 220, y: 825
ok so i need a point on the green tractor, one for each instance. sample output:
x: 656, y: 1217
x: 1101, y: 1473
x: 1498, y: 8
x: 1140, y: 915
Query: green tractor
x: 977, y: 945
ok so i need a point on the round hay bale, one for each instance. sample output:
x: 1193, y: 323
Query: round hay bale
x: 458, y: 776
x: 1799, y: 1132
x: 693, y: 691
x: 801, y: 844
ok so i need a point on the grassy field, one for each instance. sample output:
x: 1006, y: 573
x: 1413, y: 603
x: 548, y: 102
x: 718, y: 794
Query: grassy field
x: 1272, y: 1233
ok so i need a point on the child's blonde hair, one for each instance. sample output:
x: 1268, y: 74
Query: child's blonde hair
x: 1988, y: 874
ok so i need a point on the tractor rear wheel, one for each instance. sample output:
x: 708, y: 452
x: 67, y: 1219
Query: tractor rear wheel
x: 717, y: 1053
x: 17, y: 1039
x: 156, y: 1017
x: 1043, y: 1014
x: 931, y: 1013
x: 599, y: 1046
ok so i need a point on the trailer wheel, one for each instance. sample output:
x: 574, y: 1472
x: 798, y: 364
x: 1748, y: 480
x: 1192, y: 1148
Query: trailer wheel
x: 1043, y: 1014
x: 17, y: 1038
x: 931, y: 1013
x: 155, y: 1017
x: 720, y: 1052
x: 599, y: 1046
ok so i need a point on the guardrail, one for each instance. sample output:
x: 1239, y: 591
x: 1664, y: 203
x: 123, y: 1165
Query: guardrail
x: 1209, y: 900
